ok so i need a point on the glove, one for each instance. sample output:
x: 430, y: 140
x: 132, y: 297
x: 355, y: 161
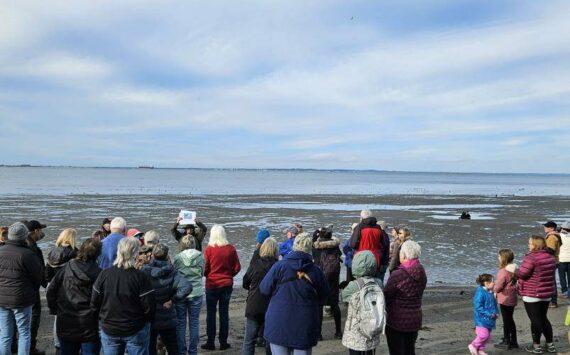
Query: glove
x: 511, y: 267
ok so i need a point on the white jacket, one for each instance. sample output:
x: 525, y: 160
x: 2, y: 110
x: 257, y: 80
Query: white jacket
x: 564, y: 256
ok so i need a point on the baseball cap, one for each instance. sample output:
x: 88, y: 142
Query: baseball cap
x: 133, y: 232
x: 33, y: 225
x: 550, y: 224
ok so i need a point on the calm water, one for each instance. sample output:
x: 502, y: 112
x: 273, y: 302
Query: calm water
x: 63, y: 181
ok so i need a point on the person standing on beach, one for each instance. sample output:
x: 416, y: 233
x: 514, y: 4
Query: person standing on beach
x: 20, y: 280
x: 35, y: 235
x: 384, y: 251
x: 221, y: 265
x: 404, y: 234
x: 564, y: 258
x: 69, y: 296
x: 287, y: 246
x: 260, y: 237
x: 109, y: 244
x: 368, y: 236
x: 505, y: 290
x: 190, y: 229
x: 124, y: 299
x: 553, y: 242
x: 485, y: 314
x: 105, y: 229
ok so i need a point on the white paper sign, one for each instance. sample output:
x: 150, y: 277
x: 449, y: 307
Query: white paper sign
x: 188, y: 217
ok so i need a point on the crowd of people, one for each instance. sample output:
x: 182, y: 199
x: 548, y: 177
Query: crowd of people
x: 124, y: 290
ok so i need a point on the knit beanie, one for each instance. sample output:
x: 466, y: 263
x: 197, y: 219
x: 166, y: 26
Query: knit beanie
x: 18, y: 231
x: 303, y: 242
x: 262, y: 234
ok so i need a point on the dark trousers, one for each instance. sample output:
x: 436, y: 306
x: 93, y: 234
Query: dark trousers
x: 349, y: 276
x: 539, y: 323
x: 169, y: 340
x: 213, y: 297
x: 356, y: 352
x: 509, y: 326
x: 335, y: 309
x: 401, y: 343
x: 564, y: 276
x: 36, y: 317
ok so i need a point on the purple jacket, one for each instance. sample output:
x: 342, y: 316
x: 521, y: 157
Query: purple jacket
x: 403, y: 293
x: 536, y: 274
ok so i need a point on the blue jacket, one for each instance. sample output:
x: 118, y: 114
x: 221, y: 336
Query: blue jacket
x: 286, y: 247
x: 109, y: 250
x: 484, y: 306
x: 292, y: 318
x: 348, y: 253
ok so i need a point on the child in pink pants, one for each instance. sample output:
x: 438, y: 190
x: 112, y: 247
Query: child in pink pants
x: 485, y: 313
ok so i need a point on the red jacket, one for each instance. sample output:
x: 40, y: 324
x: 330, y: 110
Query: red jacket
x: 536, y: 274
x: 221, y: 265
x: 368, y: 236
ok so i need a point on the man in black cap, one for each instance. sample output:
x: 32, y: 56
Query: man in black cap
x: 36, y: 233
x: 553, y: 242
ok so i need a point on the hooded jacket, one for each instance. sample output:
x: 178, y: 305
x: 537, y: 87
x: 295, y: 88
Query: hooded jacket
x: 484, y: 307
x: 69, y: 296
x: 257, y: 303
x: 363, y: 266
x: 292, y: 318
x: 536, y: 274
x: 368, y: 236
x: 21, y: 275
x: 168, y: 285
x: 404, y: 291
x: 190, y: 263
x: 56, y: 259
x: 326, y: 253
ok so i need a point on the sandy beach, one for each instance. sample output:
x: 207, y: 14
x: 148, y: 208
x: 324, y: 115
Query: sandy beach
x: 447, y: 326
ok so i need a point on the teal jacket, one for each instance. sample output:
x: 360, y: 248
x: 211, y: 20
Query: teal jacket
x: 363, y: 265
x: 484, y: 307
x: 190, y: 263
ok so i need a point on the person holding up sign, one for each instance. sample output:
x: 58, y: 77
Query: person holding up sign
x: 189, y: 225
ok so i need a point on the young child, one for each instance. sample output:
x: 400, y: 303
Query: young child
x: 506, y: 291
x: 485, y: 313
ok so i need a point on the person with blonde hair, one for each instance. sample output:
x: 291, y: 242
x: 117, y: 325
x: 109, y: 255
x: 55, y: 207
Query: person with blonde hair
x: 221, y: 265
x: 124, y: 298
x: 256, y: 304
x: 297, y: 288
x: 64, y: 251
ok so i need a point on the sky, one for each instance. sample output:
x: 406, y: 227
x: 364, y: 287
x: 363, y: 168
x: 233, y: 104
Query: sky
x: 443, y: 85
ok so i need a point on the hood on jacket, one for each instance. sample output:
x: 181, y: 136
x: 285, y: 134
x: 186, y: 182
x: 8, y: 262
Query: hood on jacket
x: 60, y: 255
x: 190, y: 257
x: 323, y: 243
x: 364, y: 264
x: 86, y: 273
x: 299, y: 260
x: 370, y: 221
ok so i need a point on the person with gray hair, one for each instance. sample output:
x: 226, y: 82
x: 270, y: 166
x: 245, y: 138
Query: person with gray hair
x: 169, y: 287
x: 403, y: 292
x: 20, y: 278
x: 297, y: 288
x: 110, y: 243
x: 151, y: 238
x: 124, y: 298
x: 367, y: 235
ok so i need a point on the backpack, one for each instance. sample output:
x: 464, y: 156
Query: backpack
x: 369, y: 305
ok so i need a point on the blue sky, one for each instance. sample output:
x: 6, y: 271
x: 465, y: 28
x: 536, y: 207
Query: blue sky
x: 391, y: 85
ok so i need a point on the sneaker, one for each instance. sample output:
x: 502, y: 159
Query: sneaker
x: 535, y: 350
x: 208, y: 346
x: 550, y: 348
x: 225, y: 346
x: 338, y: 335
x: 472, y: 350
x: 502, y: 344
x: 553, y: 305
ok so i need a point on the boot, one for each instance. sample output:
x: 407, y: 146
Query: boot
x: 513, y: 344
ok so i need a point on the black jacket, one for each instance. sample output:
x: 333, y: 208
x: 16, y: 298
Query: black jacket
x: 257, y: 303
x: 124, y: 299
x: 198, y: 234
x: 38, y: 252
x: 69, y: 297
x: 20, y: 275
x: 169, y: 285
x: 56, y: 259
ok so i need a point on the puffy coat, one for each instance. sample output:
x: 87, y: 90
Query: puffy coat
x: 363, y: 265
x: 292, y: 318
x: 484, y: 307
x: 221, y: 265
x: 21, y: 275
x: 69, y: 297
x: 56, y: 259
x: 404, y: 291
x: 536, y: 274
x: 256, y: 304
x: 326, y: 253
x: 168, y: 285
x: 190, y: 263
x: 505, y: 288
x: 368, y: 236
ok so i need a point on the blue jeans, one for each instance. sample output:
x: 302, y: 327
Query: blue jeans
x: 74, y: 348
x: 252, y: 328
x: 283, y: 350
x: 136, y: 344
x: 188, y: 311
x: 213, y: 296
x: 20, y: 318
